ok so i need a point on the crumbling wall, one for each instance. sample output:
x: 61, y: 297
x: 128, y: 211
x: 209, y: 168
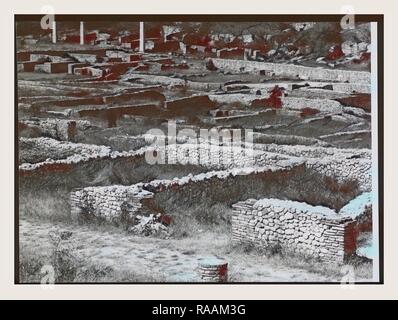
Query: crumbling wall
x: 115, y: 204
x: 97, y: 166
x: 292, y: 181
x: 290, y: 103
x: 343, y: 164
x: 315, y: 152
x: 296, y: 227
x: 60, y: 129
x: 33, y: 149
x: 345, y: 170
x: 217, y: 157
x: 112, y: 202
x: 204, y: 155
x: 325, y: 87
x: 294, y: 71
x: 165, y: 81
x: 351, y: 166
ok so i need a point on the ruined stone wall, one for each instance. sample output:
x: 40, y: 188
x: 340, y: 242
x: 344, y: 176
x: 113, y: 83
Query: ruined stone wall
x: 61, y: 152
x: 154, y: 79
x: 296, y: 227
x: 345, y: 170
x: 342, y: 164
x: 166, y: 196
x: 337, y: 87
x: 115, y: 204
x: 294, y: 71
x: 142, y: 198
x: 290, y: 103
x: 315, y: 152
x: 61, y: 129
x: 218, y: 157
x: 204, y: 155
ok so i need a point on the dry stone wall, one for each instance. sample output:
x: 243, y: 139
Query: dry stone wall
x: 315, y: 152
x: 342, y: 164
x: 61, y: 129
x: 293, y: 71
x: 289, y: 103
x: 218, y: 157
x: 294, y: 227
x: 205, y: 155
x: 62, y: 152
x: 112, y: 202
x: 345, y: 170
x: 337, y: 87
x: 167, y: 196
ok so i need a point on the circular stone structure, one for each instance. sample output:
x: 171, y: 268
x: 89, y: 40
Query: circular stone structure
x: 213, y: 269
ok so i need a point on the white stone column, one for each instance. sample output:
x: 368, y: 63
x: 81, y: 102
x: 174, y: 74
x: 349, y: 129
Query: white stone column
x: 142, y: 40
x: 81, y: 32
x: 54, y: 36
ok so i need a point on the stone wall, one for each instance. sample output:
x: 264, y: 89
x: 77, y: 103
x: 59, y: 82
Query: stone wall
x: 294, y: 71
x: 288, y: 103
x: 315, y: 152
x: 204, y: 154
x: 115, y: 204
x: 60, y: 129
x: 62, y: 152
x: 337, y: 87
x: 296, y: 227
x: 154, y: 79
x: 218, y: 157
x: 345, y: 170
x: 109, y: 202
x: 285, y: 180
x: 343, y: 164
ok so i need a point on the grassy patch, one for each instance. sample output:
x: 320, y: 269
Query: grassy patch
x: 44, y: 204
x: 199, y: 218
x: 68, y: 267
x: 276, y: 258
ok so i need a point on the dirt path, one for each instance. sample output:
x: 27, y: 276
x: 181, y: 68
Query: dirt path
x: 172, y: 260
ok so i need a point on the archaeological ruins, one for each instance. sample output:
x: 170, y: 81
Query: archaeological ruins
x: 95, y: 102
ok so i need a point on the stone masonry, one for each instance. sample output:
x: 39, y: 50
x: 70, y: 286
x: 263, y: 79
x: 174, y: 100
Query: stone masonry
x: 348, y: 164
x: 344, y: 164
x: 110, y: 203
x: 293, y: 71
x: 62, y: 129
x: 295, y: 227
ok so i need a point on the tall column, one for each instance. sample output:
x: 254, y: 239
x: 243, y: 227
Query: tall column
x: 81, y: 32
x: 142, y: 46
x: 54, y: 36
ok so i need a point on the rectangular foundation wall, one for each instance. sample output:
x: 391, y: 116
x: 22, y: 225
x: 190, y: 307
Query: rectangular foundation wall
x: 295, y: 227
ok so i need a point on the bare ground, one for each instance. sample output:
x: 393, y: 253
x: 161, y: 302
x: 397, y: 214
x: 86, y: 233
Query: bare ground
x: 173, y: 259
